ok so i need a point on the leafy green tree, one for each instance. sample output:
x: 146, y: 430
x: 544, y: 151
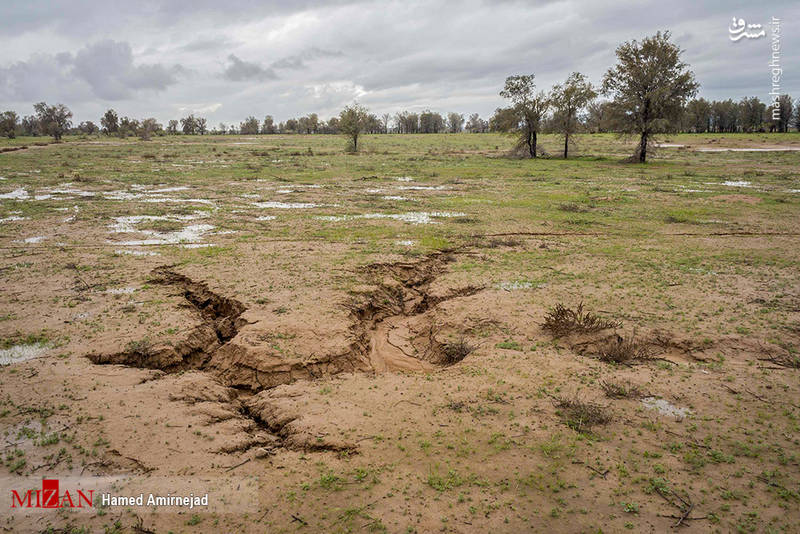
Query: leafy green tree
x: 352, y: 121
x: 649, y: 86
x: 53, y: 120
x: 524, y: 117
x: 110, y: 122
x: 569, y: 99
x: 8, y: 124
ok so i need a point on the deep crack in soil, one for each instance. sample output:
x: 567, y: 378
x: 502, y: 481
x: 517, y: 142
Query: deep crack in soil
x: 393, y: 328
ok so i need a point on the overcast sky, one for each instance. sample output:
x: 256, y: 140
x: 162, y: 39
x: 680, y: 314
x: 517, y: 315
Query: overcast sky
x: 229, y: 59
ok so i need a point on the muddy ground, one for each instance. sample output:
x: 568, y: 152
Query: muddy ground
x: 324, y: 342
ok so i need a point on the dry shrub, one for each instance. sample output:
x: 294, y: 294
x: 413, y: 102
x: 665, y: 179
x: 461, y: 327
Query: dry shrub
x: 573, y: 207
x: 455, y: 351
x: 621, y: 390
x: 561, y: 321
x: 624, y: 350
x: 581, y: 416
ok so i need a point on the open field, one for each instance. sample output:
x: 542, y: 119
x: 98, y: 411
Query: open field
x: 329, y: 342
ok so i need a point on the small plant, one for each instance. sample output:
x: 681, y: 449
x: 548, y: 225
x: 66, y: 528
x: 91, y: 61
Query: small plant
x: 580, y: 415
x: 630, y: 508
x: 561, y: 321
x: 621, y: 390
x: 142, y: 347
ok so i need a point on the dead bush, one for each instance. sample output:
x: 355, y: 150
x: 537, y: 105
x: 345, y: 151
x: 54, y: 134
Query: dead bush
x: 621, y: 390
x: 561, y: 321
x: 581, y: 416
x: 624, y: 350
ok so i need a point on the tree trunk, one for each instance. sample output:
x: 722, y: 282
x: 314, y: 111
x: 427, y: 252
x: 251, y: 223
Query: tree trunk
x: 534, y: 145
x: 566, y: 144
x: 355, y: 143
x: 643, y: 148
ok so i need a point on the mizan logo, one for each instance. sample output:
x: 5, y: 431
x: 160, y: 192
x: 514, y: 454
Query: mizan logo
x: 50, y: 497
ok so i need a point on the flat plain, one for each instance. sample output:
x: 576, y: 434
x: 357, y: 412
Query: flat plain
x: 333, y: 342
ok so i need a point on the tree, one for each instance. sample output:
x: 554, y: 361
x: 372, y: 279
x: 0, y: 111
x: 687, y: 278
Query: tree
x: 333, y: 125
x: 407, y: 122
x: 249, y: 126
x: 268, y: 127
x: 88, y: 127
x: 650, y: 85
x: 189, y: 125
x: 725, y: 116
x: 751, y: 114
x: 147, y: 128
x: 782, y: 111
x: 476, y: 124
x: 352, y: 121
x: 698, y: 115
x: 53, y: 120
x: 202, y: 127
x: 527, y: 110
x: 110, y: 122
x: 430, y: 122
x: 29, y: 125
x: 172, y: 127
x: 8, y: 124
x: 385, y: 122
x: 569, y: 99
x: 455, y: 122
x: 291, y: 126
x: 599, y: 117
x: 128, y: 126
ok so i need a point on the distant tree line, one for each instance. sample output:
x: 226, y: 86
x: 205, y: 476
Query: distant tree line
x: 650, y: 91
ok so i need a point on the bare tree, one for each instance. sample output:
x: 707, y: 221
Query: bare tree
x: 649, y: 86
x: 352, y: 121
x: 569, y: 99
x: 53, y: 120
x: 172, y: 127
x: 385, y: 122
x: 201, y: 126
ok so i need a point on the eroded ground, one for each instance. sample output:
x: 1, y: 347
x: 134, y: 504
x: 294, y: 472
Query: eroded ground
x: 340, y: 343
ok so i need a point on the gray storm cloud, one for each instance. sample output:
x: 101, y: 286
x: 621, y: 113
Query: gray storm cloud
x: 289, y: 58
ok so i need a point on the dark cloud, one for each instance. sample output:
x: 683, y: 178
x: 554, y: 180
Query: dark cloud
x: 104, y: 70
x: 319, y: 55
x: 245, y: 71
x: 108, y: 68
